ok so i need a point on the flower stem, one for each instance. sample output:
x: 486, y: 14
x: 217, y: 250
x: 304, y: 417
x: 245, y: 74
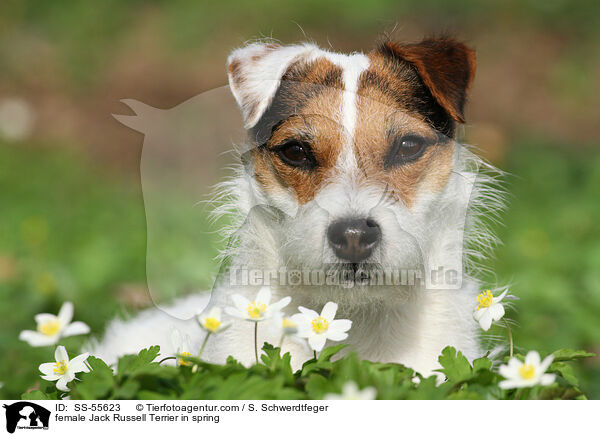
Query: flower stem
x: 281, y: 341
x: 167, y: 358
x: 256, y: 341
x: 510, y: 338
x: 315, y: 351
x: 203, y: 344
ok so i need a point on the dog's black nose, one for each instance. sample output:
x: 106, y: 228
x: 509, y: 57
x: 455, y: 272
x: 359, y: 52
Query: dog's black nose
x: 354, y: 239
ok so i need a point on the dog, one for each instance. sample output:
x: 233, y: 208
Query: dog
x: 352, y: 169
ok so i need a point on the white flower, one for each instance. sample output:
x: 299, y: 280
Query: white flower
x: 211, y: 322
x: 489, y: 309
x: 63, y: 370
x: 524, y: 374
x: 51, y: 328
x: 259, y: 309
x: 288, y: 327
x: 318, y: 328
x: 181, y: 342
x: 350, y: 391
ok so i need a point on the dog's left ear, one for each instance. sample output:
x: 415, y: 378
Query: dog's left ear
x: 255, y: 73
x: 446, y: 66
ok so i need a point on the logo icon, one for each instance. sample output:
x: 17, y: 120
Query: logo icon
x: 26, y: 415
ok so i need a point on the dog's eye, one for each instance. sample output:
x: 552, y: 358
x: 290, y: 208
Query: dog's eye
x: 296, y: 154
x: 406, y: 149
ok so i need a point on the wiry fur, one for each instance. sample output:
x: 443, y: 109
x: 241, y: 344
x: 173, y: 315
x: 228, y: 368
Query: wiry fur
x: 269, y: 230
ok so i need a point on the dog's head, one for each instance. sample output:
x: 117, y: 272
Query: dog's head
x: 357, y: 150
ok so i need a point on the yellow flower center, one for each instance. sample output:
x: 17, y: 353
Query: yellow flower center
x: 288, y: 323
x: 212, y: 324
x: 320, y: 324
x: 256, y: 310
x: 49, y: 328
x: 485, y: 299
x: 184, y: 362
x: 527, y: 371
x: 60, y: 368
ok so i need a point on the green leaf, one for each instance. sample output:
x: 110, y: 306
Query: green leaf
x: 464, y: 395
x: 428, y: 389
x: 567, y: 354
x: 483, y: 363
x: 278, y: 364
x: 96, y: 384
x: 455, y: 365
x: 317, y: 386
x: 565, y: 371
x: 38, y: 395
x: 327, y: 353
x: 133, y: 363
x: 128, y: 390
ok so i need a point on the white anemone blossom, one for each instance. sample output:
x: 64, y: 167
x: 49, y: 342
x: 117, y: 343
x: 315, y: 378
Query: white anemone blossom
x: 211, y: 322
x: 258, y: 309
x: 51, y: 328
x: 63, y: 370
x: 350, y: 391
x: 525, y: 374
x: 489, y: 309
x: 318, y: 328
x: 181, y: 342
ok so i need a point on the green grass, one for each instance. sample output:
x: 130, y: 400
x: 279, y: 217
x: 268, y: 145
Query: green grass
x: 69, y: 231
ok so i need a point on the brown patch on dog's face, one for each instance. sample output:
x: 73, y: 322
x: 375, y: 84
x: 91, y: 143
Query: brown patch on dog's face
x: 387, y: 118
x: 307, y: 111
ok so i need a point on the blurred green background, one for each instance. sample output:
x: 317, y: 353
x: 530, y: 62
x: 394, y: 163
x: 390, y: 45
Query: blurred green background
x: 72, y: 223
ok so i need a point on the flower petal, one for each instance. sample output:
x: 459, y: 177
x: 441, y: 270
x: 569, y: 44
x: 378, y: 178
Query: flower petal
x: 51, y: 377
x: 340, y: 325
x: 240, y: 301
x: 329, y: 311
x: 77, y: 364
x: 546, y: 363
x: 485, y: 322
x: 235, y: 312
x: 280, y: 304
x: 479, y: 313
x: 48, y: 369
x: 499, y: 298
x: 264, y: 295
x: 547, y: 379
x: 337, y: 335
x: 509, y: 371
x: 43, y: 318
x: 36, y: 339
x: 496, y: 311
x: 533, y: 358
x: 61, y: 354
x: 509, y: 384
x: 76, y: 328
x: 61, y: 384
x: 317, y: 342
x: 308, y: 312
x: 215, y: 312
x: 65, y: 314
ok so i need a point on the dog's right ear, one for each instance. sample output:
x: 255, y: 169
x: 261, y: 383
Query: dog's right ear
x: 255, y: 73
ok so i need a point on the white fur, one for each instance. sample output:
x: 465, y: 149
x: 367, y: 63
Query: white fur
x: 407, y: 324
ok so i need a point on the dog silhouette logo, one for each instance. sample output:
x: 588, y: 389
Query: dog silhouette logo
x: 26, y: 415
